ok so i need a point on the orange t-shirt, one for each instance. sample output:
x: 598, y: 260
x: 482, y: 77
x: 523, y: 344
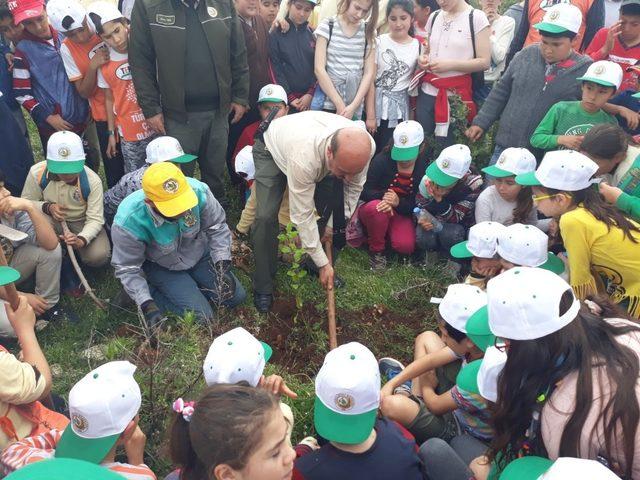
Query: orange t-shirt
x: 76, y: 58
x: 537, y: 9
x: 116, y: 75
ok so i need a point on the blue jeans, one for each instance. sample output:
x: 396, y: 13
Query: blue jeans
x: 442, y: 241
x: 450, y: 461
x: 179, y: 291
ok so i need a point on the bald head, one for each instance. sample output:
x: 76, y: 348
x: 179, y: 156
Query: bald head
x: 349, y: 152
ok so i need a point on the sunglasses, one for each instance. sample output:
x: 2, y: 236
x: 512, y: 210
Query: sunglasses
x: 537, y: 198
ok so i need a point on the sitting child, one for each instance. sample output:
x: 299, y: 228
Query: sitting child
x: 481, y: 249
x: 434, y: 371
x: 448, y: 193
x: 360, y: 444
x: 566, y: 123
x: 103, y: 407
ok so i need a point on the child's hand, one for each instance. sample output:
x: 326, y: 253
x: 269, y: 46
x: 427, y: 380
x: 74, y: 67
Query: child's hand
x: 609, y: 193
x: 391, y: 198
x: 57, y: 212
x: 275, y: 384
x: 281, y: 24
x: 614, y: 32
x: 100, y: 58
x: 58, y: 123
x: 440, y: 66
x: 572, y: 142
x: 474, y: 133
x: 425, y: 224
x: 73, y: 240
x: 372, y: 125
x: 23, y: 318
x: 348, y: 111
x: 9, y: 58
x: 386, y: 390
x: 38, y: 303
x: 134, y: 447
x: 632, y: 118
x: 305, y: 101
x: 384, y: 207
x: 111, y: 146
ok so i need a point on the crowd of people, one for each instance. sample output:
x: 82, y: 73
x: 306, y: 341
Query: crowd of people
x: 326, y: 117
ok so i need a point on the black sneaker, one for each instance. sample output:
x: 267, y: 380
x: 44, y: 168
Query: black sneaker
x: 58, y: 313
x: 263, y: 302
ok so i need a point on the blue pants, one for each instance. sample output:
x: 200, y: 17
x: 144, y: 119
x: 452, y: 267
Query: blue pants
x: 442, y: 241
x: 179, y: 291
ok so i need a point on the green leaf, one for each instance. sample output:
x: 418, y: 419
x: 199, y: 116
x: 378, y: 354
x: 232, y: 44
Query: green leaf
x: 285, y: 249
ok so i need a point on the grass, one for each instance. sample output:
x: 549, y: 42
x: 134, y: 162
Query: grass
x: 383, y: 311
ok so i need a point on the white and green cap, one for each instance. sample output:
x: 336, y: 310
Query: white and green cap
x: 272, y: 93
x: 561, y: 18
x: 539, y: 468
x: 245, y: 164
x: 524, y: 304
x: 101, y: 406
x: 167, y: 149
x: 459, y: 303
x: 482, y: 242
x: 527, y: 246
x: 407, y: 138
x: 605, y: 73
x: 492, y: 365
x: 451, y: 165
x: 512, y: 161
x: 565, y: 170
x: 347, y: 394
x: 65, y: 153
x: 236, y: 356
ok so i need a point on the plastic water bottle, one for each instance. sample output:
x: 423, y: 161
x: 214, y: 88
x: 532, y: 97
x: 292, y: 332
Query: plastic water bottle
x: 421, y: 214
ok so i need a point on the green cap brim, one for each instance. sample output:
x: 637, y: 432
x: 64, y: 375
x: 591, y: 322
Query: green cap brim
x: 404, y: 154
x: 8, y: 275
x: 526, y: 468
x: 636, y: 95
x: 596, y: 80
x: 186, y: 158
x: 460, y: 250
x: 439, y: 177
x: 478, y: 330
x: 550, y: 27
x: 528, y: 179
x: 497, y: 172
x: 348, y: 429
x: 272, y: 100
x: 467, y: 378
x: 63, y: 469
x: 92, y: 450
x: 553, y: 264
x: 57, y: 166
x: 268, y: 351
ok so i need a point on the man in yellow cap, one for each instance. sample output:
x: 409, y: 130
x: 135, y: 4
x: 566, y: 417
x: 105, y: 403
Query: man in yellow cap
x: 172, y: 247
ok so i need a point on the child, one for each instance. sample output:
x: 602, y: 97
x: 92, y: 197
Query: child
x: 344, y: 60
x: 567, y: 122
x: 115, y: 79
x: 448, y: 193
x: 39, y: 79
x: 68, y: 190
x: 396, y: 59
x: 539, y: 77
x: 390, y: 192
x: 505, y: 201
x: 619, y: 166
x: 269, y: 10
x: 442, y: 400
x: 502, y: 31
x: 271, y: 96
x: 83, y: 54
x: 160, y: 149
x: 103, y: 407
x: 620, y: 42
x: 422, y: 9
x: 527, y: 246
x: 599, y: 239
x: 292, y: 53
x: 360, y: 445
x: 481, y: 249
x: 248, y: 441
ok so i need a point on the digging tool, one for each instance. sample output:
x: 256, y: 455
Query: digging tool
x: 15, y: 236
x: 76, y: 267
x: 331, y: 303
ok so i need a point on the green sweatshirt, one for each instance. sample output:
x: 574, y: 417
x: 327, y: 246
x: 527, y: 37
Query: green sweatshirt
x: 630, y: 205
x: 566, y: 118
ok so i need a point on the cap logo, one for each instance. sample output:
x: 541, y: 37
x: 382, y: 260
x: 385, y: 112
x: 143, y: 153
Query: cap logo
x: 170, y: 186
x: 64, y: 152
x: 213, y: 13
x: 599, y: 70
x: 344, y: 401
x: 76, y: 195
x: 445, y: 164
x: 403, y: 139
x: 79, y: 423
x: 501, y: 161
x: 554, y: 15
x: 269, y: 91
x: 189, y: 219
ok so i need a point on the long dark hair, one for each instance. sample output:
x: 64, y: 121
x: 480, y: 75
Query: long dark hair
x: 372, y: 23
x: 608, y: 214
x: 524, y: 205
x: 225, y: 428
x: 605, y: 141
x: 534, y: 365
x: 407, y: 6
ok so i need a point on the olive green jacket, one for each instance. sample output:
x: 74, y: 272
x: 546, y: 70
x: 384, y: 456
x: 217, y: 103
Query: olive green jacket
x: 157, y: 48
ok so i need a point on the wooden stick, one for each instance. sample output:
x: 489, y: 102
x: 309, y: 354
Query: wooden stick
x: 10, y: 288
x: 331, y: 303
x: 76, y: 267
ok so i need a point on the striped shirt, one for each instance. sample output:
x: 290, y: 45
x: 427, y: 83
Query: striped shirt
x: 345, y: 55
x: 42, y: 447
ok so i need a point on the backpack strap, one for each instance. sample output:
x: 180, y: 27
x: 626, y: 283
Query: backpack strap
x: 85, y: 186
x: 330, y: 30
x: 43, y: 181
x: 433, y: 20
x: 473, y: 32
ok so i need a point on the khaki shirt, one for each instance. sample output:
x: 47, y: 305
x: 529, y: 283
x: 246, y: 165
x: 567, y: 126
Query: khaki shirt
x: 91, y: 211
x: 298, y: 144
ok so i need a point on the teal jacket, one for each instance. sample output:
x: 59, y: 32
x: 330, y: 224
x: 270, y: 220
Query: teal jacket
x: 139, y: 235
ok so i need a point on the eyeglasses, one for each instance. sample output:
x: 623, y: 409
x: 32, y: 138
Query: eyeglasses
x: 537, y: 198
x: 501, y: 344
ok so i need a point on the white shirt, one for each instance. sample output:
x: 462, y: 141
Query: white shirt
x: 502, y: 31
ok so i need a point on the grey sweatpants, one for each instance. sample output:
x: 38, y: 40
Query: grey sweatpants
x: 29, y: 259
